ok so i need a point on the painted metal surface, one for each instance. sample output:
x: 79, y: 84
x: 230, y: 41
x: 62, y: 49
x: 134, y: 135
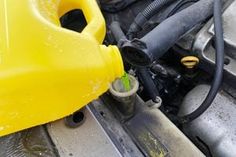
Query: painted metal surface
x: 88, y: 140
x: 157, y: 136
x: 217, y: 126
x: 204, y: 43
x: 153, y: 133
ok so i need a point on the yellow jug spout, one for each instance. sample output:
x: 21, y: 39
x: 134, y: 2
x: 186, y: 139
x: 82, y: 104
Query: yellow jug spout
x: 48, y: 72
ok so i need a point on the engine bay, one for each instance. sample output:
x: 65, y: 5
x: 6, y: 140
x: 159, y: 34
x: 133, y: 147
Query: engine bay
x: 175, y: 66
x: 181, y: 70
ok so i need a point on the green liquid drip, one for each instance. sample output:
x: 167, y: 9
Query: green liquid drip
x: 126, y: 82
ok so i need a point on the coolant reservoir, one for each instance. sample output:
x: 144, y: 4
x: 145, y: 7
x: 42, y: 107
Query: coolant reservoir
x: 48, y: 72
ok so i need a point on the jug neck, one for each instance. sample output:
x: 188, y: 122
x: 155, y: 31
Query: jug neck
x: 113, y: 59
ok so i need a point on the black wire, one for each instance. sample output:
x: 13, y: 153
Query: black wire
x: 219, y: 42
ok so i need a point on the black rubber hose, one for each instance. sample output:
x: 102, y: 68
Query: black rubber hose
x: 145, y: 15
x: 142, y: 52
x: 143, y: 74
x: 117, y: 32
x: 149, y: 85
x: 219, y: 44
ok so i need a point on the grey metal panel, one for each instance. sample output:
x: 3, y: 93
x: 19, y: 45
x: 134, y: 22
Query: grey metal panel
x: 114, y: 129
x: 88, y: 140
x: 153, y: 133
x: 203, y: 44
x: 158, y: 136
x: 229, y: 23
x: 217, y: 126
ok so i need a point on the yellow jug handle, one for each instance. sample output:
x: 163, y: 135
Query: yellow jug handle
x: 96, y: 27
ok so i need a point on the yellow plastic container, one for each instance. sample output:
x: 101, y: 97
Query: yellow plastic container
x: 48, y: 72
